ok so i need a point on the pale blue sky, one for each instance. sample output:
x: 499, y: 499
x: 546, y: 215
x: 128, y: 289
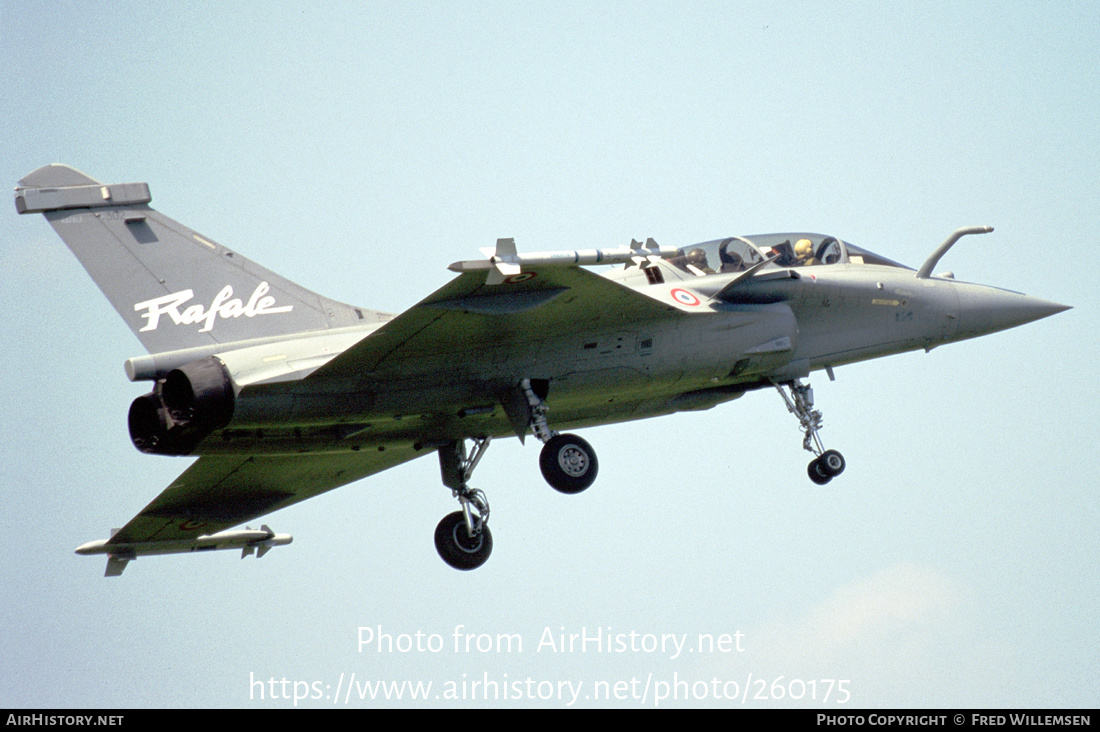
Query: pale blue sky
x: 359, y: 148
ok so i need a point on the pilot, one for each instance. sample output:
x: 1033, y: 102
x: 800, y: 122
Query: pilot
x: 731, y: 260
x: 804, y: 253
x: 697, y: 258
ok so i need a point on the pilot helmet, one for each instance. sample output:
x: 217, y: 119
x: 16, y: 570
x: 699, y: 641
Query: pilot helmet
x: 697, y: 257
x: 803, y: 249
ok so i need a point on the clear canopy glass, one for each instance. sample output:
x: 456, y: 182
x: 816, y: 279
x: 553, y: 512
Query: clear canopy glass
x: 738, y: 253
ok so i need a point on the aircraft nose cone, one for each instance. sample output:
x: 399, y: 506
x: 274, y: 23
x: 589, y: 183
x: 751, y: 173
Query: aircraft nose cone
x: 987, y: 310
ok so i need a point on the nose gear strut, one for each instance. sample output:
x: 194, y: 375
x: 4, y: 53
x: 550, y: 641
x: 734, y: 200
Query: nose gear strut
x: 829, y: 463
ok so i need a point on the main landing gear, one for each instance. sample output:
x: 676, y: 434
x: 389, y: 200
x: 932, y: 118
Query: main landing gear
x: 567, y: 462
x: 829, y: 463
x: 463, y: 538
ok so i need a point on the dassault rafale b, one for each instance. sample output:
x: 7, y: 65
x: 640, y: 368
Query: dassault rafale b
x: 283, y: 394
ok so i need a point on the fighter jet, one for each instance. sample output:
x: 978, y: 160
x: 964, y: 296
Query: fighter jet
x: 283, y: 394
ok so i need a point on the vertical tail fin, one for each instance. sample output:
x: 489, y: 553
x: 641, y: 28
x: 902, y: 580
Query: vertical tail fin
x: 174, y: 287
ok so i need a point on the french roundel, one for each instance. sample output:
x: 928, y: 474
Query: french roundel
x: 684, y: 297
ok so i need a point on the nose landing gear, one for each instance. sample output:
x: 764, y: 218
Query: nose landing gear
x: 829, y: 463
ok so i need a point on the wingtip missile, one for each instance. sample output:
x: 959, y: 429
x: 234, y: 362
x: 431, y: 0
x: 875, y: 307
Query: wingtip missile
x: 259, y: 541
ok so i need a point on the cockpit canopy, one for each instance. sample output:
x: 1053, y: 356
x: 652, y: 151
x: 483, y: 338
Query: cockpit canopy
x: 738, y: 253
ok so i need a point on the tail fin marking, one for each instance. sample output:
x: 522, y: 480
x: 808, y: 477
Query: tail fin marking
x: 174, y: 287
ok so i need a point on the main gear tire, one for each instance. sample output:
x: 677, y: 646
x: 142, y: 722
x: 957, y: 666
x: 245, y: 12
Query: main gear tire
x: 455, y: 545
x: 568, y: 463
